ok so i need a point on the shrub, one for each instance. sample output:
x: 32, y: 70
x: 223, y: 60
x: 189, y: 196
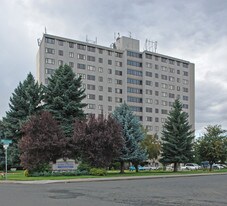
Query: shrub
x: 98, y: 172
x: 26, y: 173
x: 84, y: 167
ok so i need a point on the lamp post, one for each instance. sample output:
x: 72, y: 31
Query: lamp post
x: 6, y: 143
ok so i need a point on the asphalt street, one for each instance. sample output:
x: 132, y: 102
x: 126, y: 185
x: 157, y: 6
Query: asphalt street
x: 182, y: 191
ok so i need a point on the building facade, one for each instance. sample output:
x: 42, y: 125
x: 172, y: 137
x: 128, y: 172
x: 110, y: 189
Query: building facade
x: 147, y: 81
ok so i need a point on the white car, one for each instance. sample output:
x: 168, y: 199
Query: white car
x: 191, y: 166
x: 217, y: 166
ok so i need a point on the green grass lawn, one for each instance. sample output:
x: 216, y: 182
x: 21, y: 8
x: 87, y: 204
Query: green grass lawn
x: 19, y: 175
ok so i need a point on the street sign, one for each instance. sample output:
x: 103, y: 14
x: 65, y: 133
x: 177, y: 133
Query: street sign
x: 6, y: 141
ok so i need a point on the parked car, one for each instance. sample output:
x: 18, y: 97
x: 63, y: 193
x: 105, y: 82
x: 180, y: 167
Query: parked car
x: 132, y: 168
x: 217, y: 166
x: 191, y: 166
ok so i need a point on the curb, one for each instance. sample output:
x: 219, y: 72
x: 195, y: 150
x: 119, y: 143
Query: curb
x: 106, y: 179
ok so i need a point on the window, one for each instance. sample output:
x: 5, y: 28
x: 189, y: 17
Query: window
x: 71, y: 64
x: 156, y: 66
x: 172, y: 79
x: 109, y: 89
x: 60, y: 52
x: 134, y: 63
x: 118, y: 55
x: 156, y: 75
x: 171, y: 70
x: 156, y: 119
x: 71, y: 45
x: 91, y: 49
x: 171, y: 95
x: 148, y: 56
x: 156, y: 84
x: 164, y: 111
x: 149, y: 119
x: 49, y: 40
x: 100, y: 51
x: 139, y: 118
x: 185, y: 98
x: 156, y: 101
x: 110, y: 62
x: 178, y: 71
x: 149, y: 74
x: 163, y: 120
x: 178, y: 80
x: 149, y: 128
x: 91, y: 106
x: 90, y: 68
x: 185, y: 89
x: 49, y: 61
x: 118, y: 99
x: 118, y: 64
x: 81, y: 46
x: 164, y: 86
x: 149, y: 83
x: 185, y: 73
x: 156, y: 111
x: 49, y: 50
x: 185, y: 81
x: 156, y: 93
x: 171, y: 87
x: 134, y: 90
x: 81, y: 56
x: 100, y: 88
x: 71, y: 54
x: 148, y: 65
x: 118, y: 91
x: 90, y: 96
x: 100, y: 98
x: 109, y: 108
x: 109, y: 53
x: 163, y: 59
x: 100, y: 79
x: 109, y: 80
x: 60, y: 43
x: 117, y: 72
x: 49, y: 71
x: 149, y: 101
x: 164, y: 77
x: 100, y: 69
x: 91, y: 87
x: 134, y: 72
x: 178, y: 88
x: 156, y: 58
x: 91, y: 58
x: 60, y: 62
x: 100, y: 107
x: 164, y: 94
x: 109, y: 71
x: 171, y: 61
x: 164, y: 103
x: 83, y: 76
x: 148, y: 91
x: 178, y: 63
x: 136, y: 109
x: 134, y: 81
x: 109, y: 99
x: 134, y: 54
x: 91, y: 77
x: 185, y: 106
x: 81, y: 66
x: 165, y: 69
x: 118, y: 81
x: 156, y: 128
x: 134, y: 99
x: 100, y: 60
x: 149, y: 109
x: 185, y: 65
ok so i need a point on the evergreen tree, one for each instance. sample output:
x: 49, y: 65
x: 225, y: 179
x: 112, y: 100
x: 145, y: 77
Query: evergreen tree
x: 63, y: 98
x: 43, y: 141
x: 98, y: 141
x: 132, y: 134
x: 177, y: 137
x: 25, y: 101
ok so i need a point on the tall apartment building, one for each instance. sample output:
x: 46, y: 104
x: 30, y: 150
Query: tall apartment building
x: 147, y: 81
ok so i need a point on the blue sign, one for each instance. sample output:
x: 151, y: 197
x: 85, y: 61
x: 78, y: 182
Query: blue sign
x: 6, y: 141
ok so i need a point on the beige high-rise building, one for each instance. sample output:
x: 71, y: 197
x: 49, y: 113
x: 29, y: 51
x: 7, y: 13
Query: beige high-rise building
x: 147, y: 81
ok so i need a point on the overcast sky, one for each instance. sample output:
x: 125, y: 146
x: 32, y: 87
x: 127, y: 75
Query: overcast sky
x: 194, y: 30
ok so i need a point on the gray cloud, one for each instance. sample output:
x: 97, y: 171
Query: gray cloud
x: 192, y: 30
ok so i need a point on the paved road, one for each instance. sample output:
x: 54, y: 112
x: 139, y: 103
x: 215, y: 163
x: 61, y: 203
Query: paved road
x: 179, y: 191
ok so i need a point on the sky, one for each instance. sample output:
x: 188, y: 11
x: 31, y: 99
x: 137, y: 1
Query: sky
x: 192, y: 30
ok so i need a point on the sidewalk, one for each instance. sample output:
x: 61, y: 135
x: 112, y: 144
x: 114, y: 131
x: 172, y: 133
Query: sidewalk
x: 100, y: 179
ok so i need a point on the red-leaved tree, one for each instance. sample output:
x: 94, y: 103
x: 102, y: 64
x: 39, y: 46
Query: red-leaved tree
x: 98, y: 141
x: 43, y: 141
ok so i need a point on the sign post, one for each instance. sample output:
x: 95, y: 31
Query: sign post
x: 6, y: 143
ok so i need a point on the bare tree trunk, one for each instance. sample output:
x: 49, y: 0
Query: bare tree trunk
x: 136, y: 166
x: 122, y: 168
x: 175, y: 167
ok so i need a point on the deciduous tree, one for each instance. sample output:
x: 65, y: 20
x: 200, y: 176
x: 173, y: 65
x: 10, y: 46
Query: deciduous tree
x: 43, y: 141
x: 98, y: 141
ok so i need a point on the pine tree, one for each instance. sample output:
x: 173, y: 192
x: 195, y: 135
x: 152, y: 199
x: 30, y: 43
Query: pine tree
x: 25, y: 101
x: 132, y: 134
x: 98, y: 141
x: 43, y: 141
x: 63, y: 98
x: 177, y: 137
